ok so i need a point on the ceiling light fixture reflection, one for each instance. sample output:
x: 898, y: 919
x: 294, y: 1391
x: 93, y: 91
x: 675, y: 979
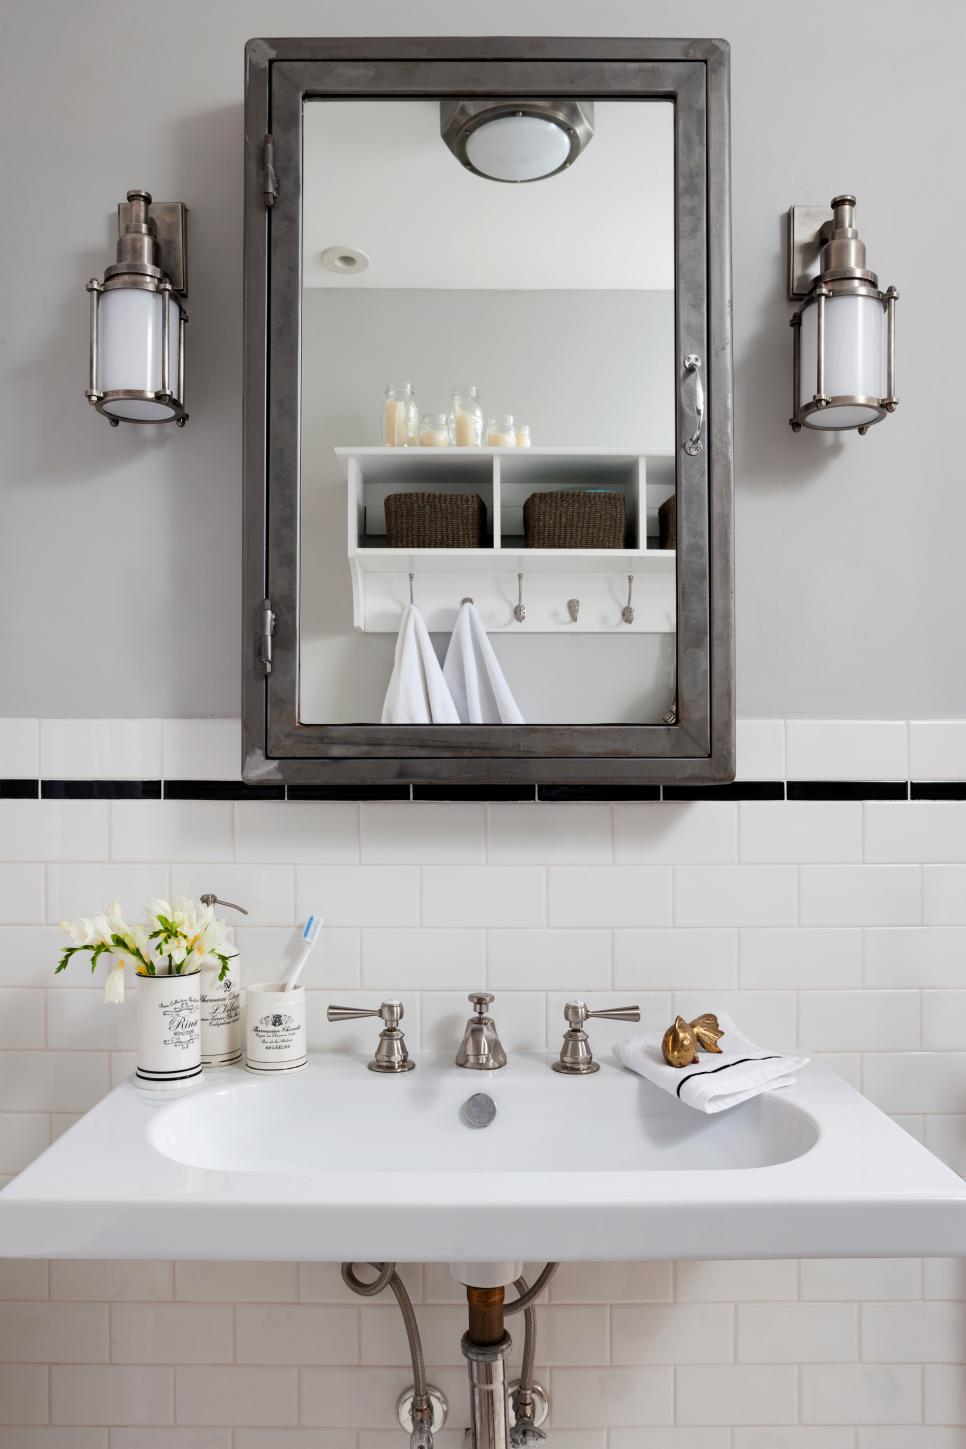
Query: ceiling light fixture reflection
x: 516, y: 140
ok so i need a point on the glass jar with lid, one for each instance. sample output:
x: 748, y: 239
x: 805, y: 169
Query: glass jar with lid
x: 521, y: 434
x: 400, y: 416
x: 466, y: 415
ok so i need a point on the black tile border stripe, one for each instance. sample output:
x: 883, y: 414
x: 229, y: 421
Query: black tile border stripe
x: 232, y: 790
x: 937, y: 790
x: 349, y: 793
x: 220, y: 790
x: 847, y: 790
x: 19, y: 789
x: 100, y: 789
x: 563, y: 794
x: 738, y: 790
x: 456, y: 793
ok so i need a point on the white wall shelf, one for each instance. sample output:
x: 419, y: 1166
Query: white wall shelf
x: 504, y: 478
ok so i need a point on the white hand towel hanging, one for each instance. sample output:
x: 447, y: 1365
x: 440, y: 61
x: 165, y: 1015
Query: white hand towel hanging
x: 716, y: 1081
x: 417, y: 693
x: 472, y: 671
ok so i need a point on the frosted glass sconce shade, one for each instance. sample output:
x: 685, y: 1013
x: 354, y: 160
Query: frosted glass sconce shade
x: 855, y: 361
x: 130, y: 324
x: 137, y: 322
x: 844, y: 359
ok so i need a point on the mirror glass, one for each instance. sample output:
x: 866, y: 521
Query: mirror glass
x: 552, y: 298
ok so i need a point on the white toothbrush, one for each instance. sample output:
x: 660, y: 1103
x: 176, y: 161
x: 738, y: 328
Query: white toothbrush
x: 309, y: 932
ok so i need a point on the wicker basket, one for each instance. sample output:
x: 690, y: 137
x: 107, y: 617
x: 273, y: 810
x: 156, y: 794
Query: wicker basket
x: 574, y: 520
x: 667, y: 522
x: 435, y: 520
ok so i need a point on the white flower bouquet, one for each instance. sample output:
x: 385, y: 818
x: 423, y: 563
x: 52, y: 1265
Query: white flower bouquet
x: 174, y: 939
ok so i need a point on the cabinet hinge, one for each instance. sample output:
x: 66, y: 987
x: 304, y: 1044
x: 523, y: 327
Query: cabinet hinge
x: 266, y: 628
x: 269, y: 174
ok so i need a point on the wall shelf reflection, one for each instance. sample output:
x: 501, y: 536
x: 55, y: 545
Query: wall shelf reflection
x: 504, y: 478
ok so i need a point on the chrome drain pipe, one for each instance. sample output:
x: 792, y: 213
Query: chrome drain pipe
x: 485, y: 1347
x: 489, y: 1405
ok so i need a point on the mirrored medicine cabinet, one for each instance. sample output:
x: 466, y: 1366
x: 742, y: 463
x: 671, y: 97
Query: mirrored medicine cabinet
x: 488, y: 357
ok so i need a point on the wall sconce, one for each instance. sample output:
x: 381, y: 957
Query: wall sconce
x: 845, y: 331
x: 137, y: 320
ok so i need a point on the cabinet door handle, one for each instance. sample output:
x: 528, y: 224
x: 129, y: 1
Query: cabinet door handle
x: 692, y: 364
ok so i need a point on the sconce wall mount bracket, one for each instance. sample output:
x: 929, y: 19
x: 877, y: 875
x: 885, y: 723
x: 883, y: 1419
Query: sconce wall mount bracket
x: 805, y: 225
x: 170, y: 220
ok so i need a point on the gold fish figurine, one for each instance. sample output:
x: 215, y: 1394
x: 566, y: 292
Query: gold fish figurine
x: 683, y: 1040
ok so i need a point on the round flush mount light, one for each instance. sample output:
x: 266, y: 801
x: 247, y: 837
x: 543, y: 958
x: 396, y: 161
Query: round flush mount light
x: 516, y: 140
x: 345, y: 260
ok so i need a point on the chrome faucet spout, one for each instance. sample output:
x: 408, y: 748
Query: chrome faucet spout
x: 481, y: 1049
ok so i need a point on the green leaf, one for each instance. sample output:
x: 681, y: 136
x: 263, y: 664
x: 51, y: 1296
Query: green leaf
x: 69, y: 951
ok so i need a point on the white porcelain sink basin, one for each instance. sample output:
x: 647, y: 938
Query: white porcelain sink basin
x: 543, y: 1124
x: 336, y: 1162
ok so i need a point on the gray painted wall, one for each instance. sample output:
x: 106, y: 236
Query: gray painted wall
x: 582, y: 368
x: 120, y: 548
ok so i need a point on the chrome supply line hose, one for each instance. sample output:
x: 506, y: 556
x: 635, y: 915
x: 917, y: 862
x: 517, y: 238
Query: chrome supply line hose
x: 524, y: 1431
x: 523, y: 1398
x: 530, y: 1294
x: 387, y: 1277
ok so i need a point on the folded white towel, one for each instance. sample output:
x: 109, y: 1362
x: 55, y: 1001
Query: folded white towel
x: 417, y: 693
x: 472, y: 671
x: 715, y: 1082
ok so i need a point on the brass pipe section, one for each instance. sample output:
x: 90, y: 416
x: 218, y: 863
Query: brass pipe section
x: 485, y: 1315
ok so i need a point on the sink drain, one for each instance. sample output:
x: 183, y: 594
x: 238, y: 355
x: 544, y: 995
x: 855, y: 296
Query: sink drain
x: 478, y: 1110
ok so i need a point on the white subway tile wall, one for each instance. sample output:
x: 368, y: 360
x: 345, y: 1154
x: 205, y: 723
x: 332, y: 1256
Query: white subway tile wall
x: 100, y: 749
x: 838, y: 925
x: 19, y: 749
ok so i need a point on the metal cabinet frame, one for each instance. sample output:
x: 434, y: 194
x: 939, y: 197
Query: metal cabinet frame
x: 277, y: 748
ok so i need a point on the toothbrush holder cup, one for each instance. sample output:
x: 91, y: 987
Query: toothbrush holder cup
x: 275, y: 1036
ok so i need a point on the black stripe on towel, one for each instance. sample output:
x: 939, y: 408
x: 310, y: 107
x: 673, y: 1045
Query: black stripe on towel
x: 713, y: 1071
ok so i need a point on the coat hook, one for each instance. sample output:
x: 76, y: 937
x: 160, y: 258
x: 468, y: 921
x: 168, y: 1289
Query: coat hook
x: 519, y: 613
x: 573, y: 608
x: 627, y: 613
x: 411, y: 581
x: 467, y: 600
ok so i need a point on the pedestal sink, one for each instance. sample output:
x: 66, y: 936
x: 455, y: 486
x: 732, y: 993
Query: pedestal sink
x: 337, y: 1163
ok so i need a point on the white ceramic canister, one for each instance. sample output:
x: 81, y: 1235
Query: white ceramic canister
x: 169, y: 1030
x: 275, y: 1039
x: 221, y: 1024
